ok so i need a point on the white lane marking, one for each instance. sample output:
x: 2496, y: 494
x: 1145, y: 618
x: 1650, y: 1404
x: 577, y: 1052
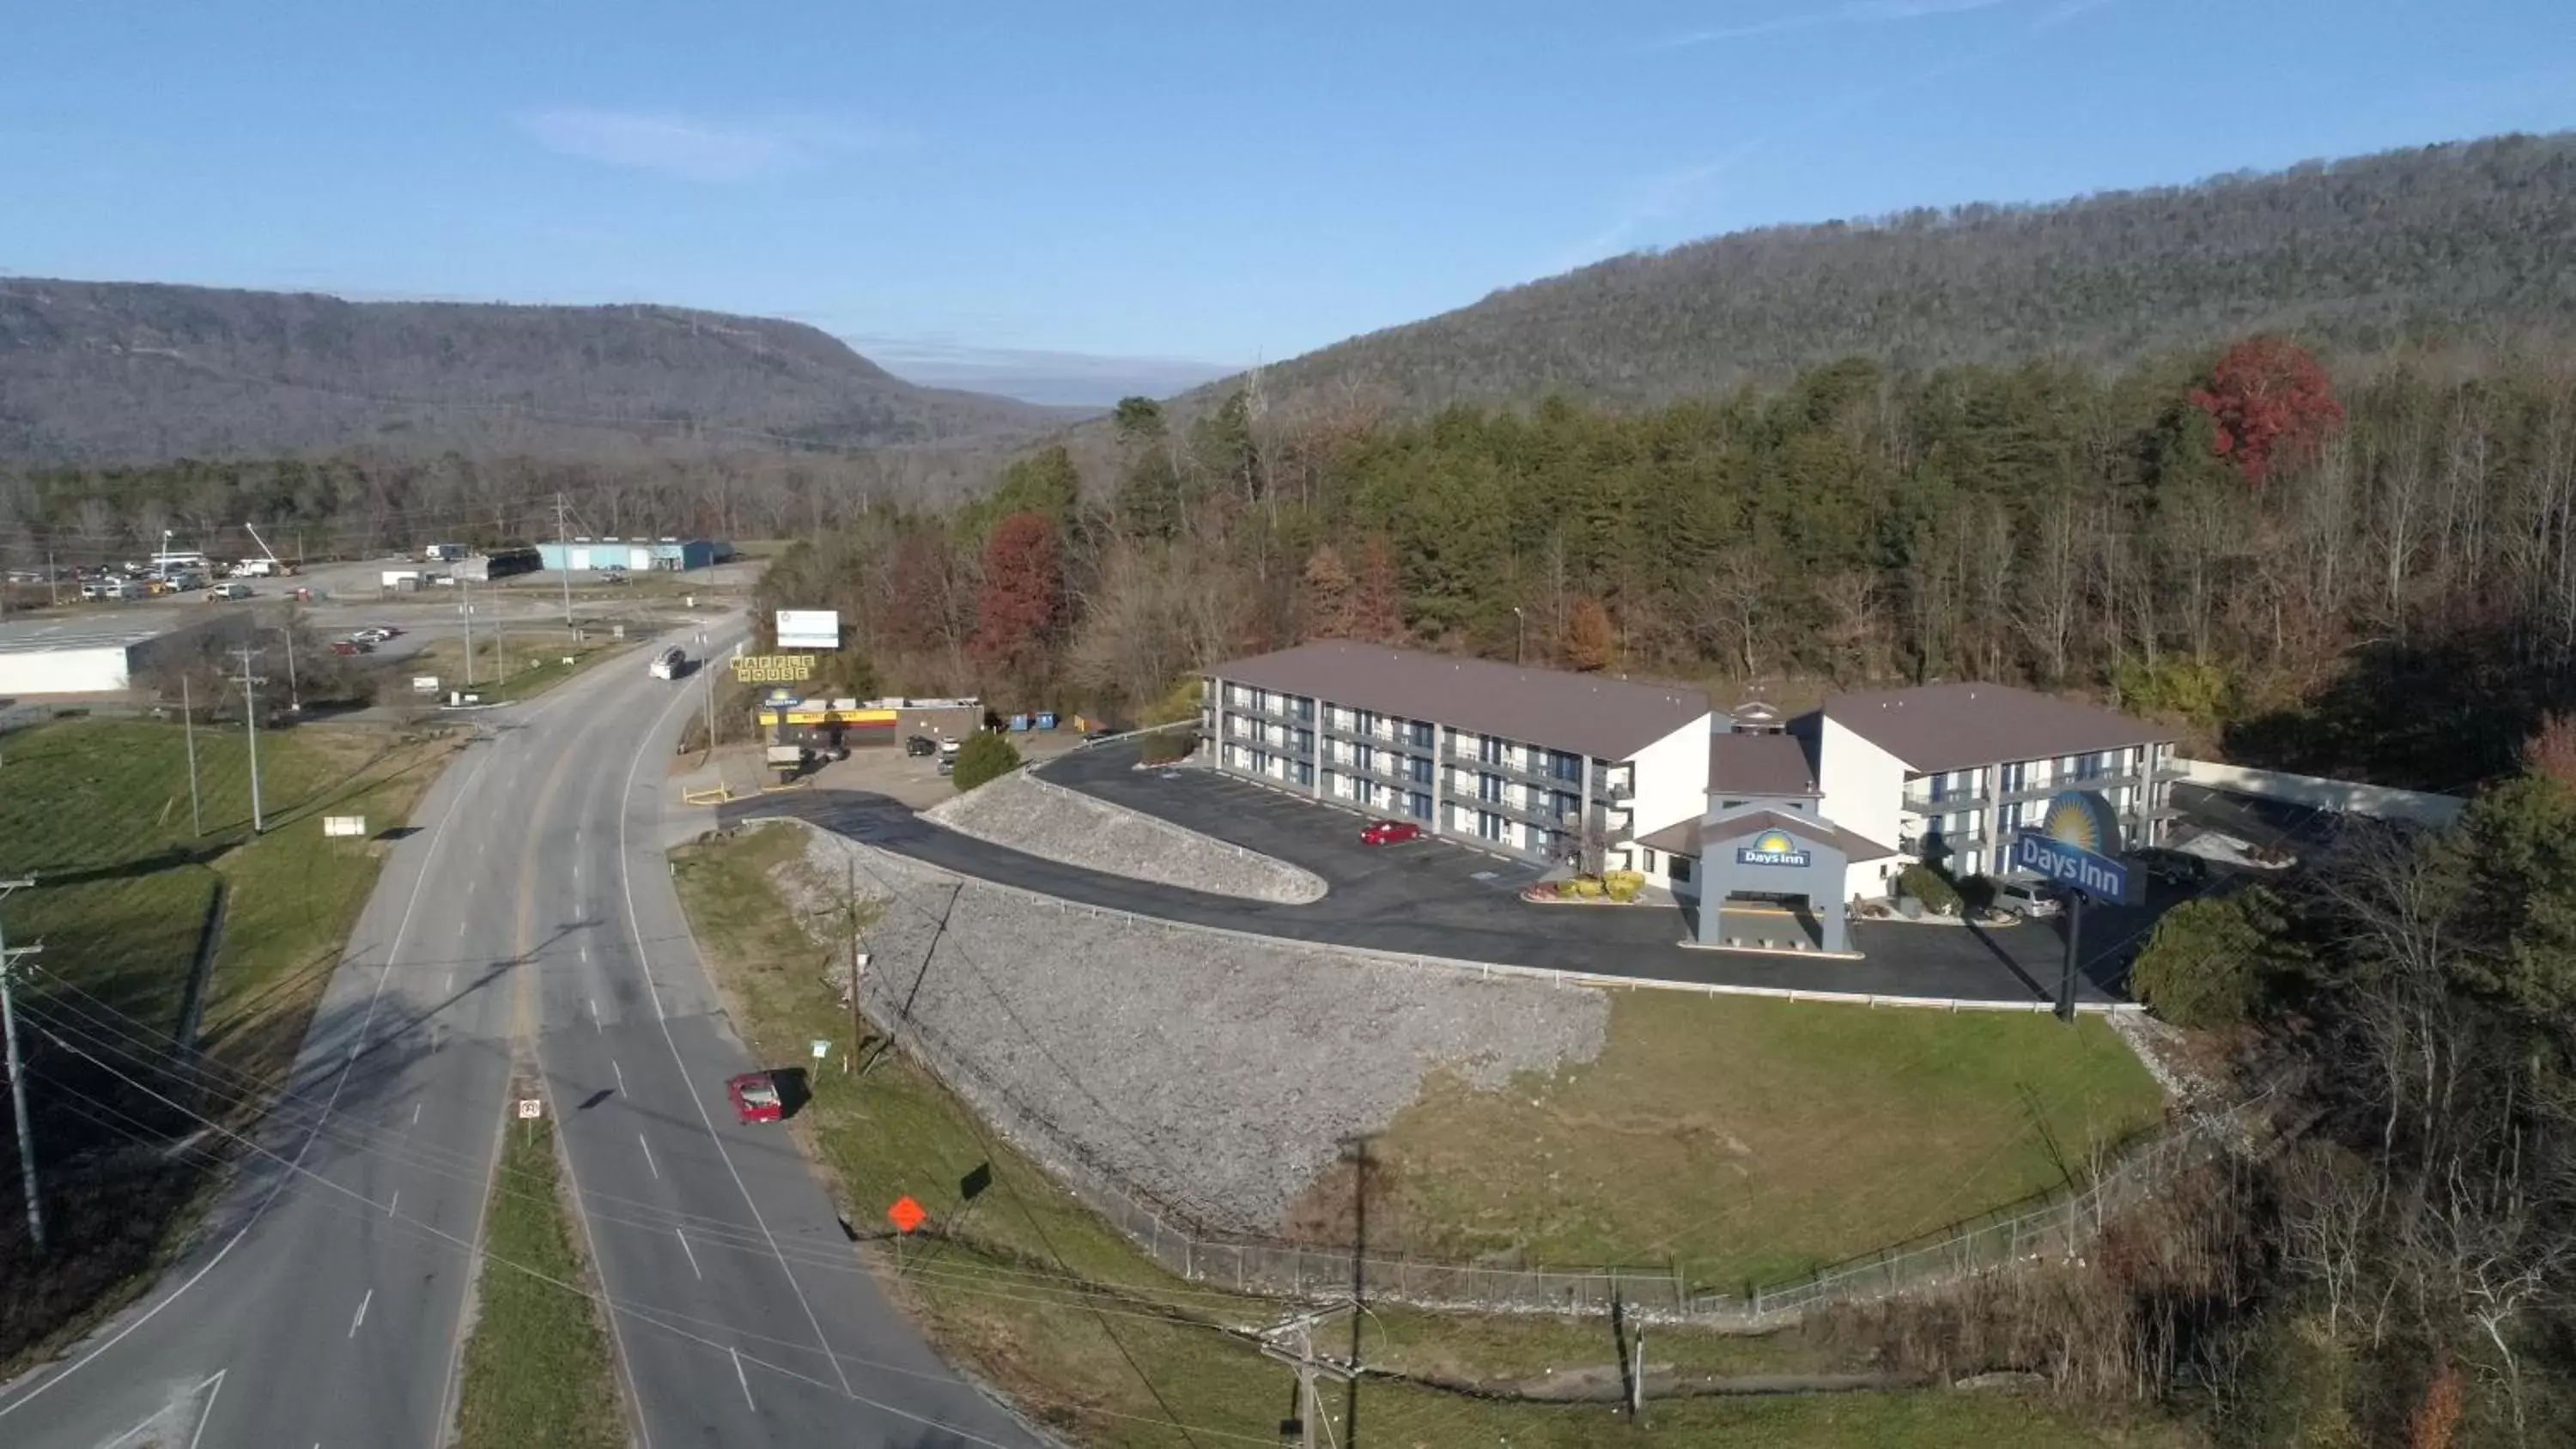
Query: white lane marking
x: 213, y: 1387
x: 648, y: 1155
x: 738, y: 1377
x: 594, y: 1016
x: 621, y: 1075
x: 692, y: 1252
x: 644, y: 961
x: 415, y: 1114
x: 462, y: 927
x: 362, y: 1312
x: 395, y: 1202
x: 437, y: 834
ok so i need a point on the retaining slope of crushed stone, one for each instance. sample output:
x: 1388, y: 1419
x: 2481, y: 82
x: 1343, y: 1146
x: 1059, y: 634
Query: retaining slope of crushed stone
x: 1026, y: 813
x: 1213, y: 1074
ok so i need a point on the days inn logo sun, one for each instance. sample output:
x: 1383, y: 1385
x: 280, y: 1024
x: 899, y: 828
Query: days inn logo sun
x: 2084, y: 820
x: 1772, y: 847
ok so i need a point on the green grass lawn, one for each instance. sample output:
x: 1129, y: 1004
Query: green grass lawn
x: 537, y: 1368
x: 97, y: 811
x: 1746, y: 1139
x: 1084, y: 1333
x: 516, y: 665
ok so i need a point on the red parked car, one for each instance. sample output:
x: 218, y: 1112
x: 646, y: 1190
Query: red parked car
x: 1390, y: 832
x: 755, y: 1097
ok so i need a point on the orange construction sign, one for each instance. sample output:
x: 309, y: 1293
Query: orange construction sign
x: 907, y: 1215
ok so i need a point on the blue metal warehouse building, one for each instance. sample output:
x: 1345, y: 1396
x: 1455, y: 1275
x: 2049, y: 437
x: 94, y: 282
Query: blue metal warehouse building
x: 636, y: 555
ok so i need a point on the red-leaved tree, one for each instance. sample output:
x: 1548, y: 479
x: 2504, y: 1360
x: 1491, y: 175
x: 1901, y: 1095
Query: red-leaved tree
x: 2269, y: 403
x: 1376, y: 614
x: 1021, y: 609
x: 1590, y: 640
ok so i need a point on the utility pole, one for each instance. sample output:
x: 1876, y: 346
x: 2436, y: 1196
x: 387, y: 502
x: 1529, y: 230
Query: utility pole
x: 563, y: 551
x: 18, y: 1075
x: 53, y: 585
x: 250, y: 729
x: 858, y: 958
x: 294, y: 695
x: 1292, y: 1341
x: 1359, y: 1285
x: 188, y: 725
x: 465, y: 593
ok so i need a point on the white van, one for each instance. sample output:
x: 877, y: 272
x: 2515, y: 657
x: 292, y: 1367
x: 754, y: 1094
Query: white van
x: 670, y: 663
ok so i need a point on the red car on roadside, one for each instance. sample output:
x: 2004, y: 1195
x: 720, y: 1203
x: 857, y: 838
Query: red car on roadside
x: 1390, y: 832
x: 755, y: 1097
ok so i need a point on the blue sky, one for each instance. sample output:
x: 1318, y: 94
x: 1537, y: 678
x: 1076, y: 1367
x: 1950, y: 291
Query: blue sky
x: 1212, y: 180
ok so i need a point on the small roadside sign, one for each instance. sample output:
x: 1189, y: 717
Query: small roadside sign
x: 530, y: 1108
x: 906, y: 1214
x: 344, y: 825
x: 822, y: 1048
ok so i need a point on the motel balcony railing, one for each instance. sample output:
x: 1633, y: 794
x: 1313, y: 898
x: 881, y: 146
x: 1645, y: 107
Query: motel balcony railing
x: 1924, y: 802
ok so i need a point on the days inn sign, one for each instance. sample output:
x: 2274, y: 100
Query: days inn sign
x: 2077, y: 846
x: 1772, y: 847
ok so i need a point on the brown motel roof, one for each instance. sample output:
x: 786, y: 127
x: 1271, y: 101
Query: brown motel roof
x: 1953, y: 726
x: 1759, y: 765
x: 1684, y: 838
x: 1608, y: 719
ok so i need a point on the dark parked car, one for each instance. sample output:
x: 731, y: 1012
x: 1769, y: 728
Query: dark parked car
x: 1390, y: 832
x: 2171, y: 867
x: 920, y: 745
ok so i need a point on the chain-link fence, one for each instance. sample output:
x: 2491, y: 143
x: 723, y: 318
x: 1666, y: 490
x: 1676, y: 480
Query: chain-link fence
x: 2043, y: 1227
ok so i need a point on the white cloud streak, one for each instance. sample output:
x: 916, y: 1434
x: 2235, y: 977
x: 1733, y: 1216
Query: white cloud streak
x: 1652, y: 199
x: 698, y: 148
x: 1855, y: 12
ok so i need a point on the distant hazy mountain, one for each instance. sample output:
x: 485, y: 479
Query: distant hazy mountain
x: 2472, y: 238
x: 97, y: 372
x: 1062, y: 379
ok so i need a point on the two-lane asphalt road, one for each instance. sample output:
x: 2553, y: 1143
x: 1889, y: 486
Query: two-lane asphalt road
x: 527, y: 930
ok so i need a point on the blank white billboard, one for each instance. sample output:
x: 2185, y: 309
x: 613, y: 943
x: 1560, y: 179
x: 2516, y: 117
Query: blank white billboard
x: 809, y: 629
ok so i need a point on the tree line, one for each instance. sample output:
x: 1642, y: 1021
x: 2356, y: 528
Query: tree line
x: 2364, y: 565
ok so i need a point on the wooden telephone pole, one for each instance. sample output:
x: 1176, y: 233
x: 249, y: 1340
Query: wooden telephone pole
x: 1292, y: 1341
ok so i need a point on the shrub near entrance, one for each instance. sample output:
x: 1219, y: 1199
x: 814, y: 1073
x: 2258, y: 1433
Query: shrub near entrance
x: 985, y: 756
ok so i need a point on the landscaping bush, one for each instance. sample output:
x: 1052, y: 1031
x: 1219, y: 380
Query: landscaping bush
x: 1587, y: 887
x: 1930, y: 887
x: 2210, y: 961
x: 1623, y: 885
x: 985, y: 756
x: 1169, y: 747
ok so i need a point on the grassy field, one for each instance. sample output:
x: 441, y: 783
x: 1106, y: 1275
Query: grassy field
x: 516, y: 665
x: 1047, y: 1302
x: 537, y: 1367
x: 1745, y: 1139
x: 97, y: 811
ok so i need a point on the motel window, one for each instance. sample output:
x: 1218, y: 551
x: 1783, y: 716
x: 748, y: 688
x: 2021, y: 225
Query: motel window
x: 1681, y: 868
x: 1489, y: 787
x: 1421, y: 733
x: 1564, y: 766
x: 1646, y: 857
x: 1489, y: 750
x: 2015, y: 776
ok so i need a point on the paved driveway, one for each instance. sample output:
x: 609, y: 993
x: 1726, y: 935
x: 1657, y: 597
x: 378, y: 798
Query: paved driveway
x: 1427, y: 897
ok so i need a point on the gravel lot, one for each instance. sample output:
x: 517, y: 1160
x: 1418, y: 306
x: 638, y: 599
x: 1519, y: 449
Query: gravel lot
x: 1026, y: 813
x: 1213, y: 1075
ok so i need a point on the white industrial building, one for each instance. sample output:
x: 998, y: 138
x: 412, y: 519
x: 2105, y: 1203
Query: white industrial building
x: 92, y: 655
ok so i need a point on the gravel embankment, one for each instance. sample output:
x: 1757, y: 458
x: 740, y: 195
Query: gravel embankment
x: 1212, y: 1074
x: 1026, y: 813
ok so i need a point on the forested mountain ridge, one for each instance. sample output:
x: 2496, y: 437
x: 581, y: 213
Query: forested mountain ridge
x: 110, y: 372
x: 2360, y: 253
